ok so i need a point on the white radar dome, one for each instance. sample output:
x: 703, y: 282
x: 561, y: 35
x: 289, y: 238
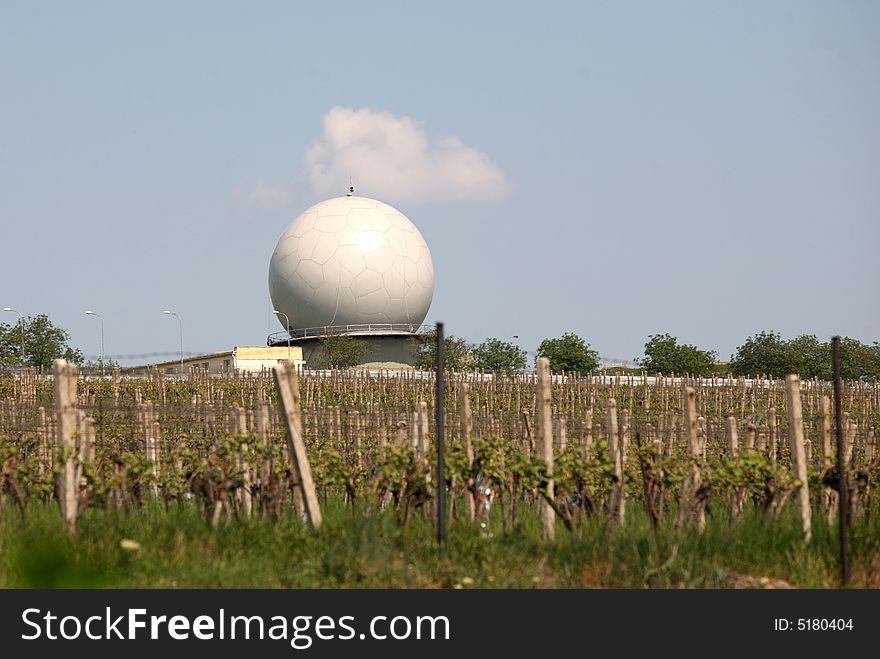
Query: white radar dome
x: 349, y: 261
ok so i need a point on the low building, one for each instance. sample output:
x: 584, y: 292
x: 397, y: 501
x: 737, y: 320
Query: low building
x: 385, y: 346
x: 246, y: 359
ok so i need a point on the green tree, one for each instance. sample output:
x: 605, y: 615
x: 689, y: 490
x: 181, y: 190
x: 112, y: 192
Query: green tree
x: 10, y: 345
x: 663, y: 354
x: 341, y: 351
x: 808, y: 357
x: 858, y: 361
x: 569, y: 353
x: 764, y: 353
x: 43, y: 343
x: 497, y: 355
x: 456, y: 352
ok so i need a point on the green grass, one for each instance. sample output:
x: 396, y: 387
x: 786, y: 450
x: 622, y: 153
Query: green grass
x: 360, y: 549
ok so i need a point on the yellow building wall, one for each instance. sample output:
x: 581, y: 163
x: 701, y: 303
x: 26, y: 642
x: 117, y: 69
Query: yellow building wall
x: 265, y: 353
x: 244, y: 358
x: 257, y: 358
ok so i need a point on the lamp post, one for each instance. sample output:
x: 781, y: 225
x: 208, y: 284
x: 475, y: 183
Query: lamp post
x: 20, y: 322
x: 89, y: 312
x: 180, y: 323
x: 281, y: 313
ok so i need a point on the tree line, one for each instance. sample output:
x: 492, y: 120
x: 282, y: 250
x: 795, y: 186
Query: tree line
x: 765, y: 353
x: 36, y: 341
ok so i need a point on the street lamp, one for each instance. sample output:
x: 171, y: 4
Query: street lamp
x: 180, y: 322
x: 21, y: 322
x: 281, y: 313
x: 98, y: 316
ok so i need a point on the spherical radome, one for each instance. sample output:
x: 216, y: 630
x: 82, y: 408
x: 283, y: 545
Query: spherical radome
x: 350, y: 261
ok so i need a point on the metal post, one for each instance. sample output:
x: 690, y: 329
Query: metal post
x: 281, y: 313
x: 20, y: 322
x: 23, y: 354
x: 441, y: 440
x: 843, y: 489
x: 180, y: 323
x: 98, y: 316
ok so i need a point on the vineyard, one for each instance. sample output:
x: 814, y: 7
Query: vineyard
x: 329, y: 479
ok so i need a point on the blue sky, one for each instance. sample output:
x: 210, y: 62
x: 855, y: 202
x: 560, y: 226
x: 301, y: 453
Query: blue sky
x: 707, y: 169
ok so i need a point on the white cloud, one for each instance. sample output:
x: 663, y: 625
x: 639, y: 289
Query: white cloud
x: 268, y: 194
x: 392, y: 157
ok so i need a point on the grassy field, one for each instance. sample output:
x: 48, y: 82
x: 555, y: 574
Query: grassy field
x: 155, y: 548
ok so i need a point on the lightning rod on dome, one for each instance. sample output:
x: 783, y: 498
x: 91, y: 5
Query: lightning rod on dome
x: 350, y: 192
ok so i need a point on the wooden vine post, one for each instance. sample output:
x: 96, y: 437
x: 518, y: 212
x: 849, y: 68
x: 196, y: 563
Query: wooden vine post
x: 261, y: 419
x: 588, y: 434
x: 545, y: 443
x: 798, y: 455
x: 750, y: 437
x: 773, y: 439
x: 422, y: 434
x: 829, y: 494
x: 732, y: 437
x: 288, y: 395
x: 614, y: 454
x: 355, y: 419
x: 241, y: 429
x: 690, y: 505
x: 85, y: 446
x: 825, y: 431
x: 736, y: 497
x: 414, y: 431
x: 467, y: 429
x: 65, y: 410
x: 620, y: 469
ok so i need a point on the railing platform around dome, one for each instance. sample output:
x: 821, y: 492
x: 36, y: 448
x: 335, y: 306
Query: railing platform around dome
x: 368, y: 329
